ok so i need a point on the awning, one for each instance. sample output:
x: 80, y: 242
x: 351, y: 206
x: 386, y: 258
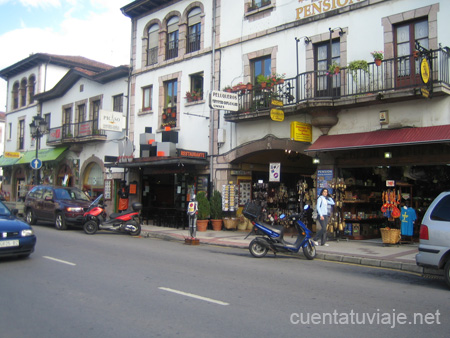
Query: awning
x: 382, y: 138
x: 49, y: 154
x: 6, y: 161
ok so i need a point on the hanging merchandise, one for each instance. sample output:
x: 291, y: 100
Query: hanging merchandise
x: 391, y: 199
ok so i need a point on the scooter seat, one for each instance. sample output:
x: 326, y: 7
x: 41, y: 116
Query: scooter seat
x: 115, y: 215
x: 279, y: 229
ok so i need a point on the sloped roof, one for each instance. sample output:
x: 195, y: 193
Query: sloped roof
x: 76, y: 73
x: 62, y: 60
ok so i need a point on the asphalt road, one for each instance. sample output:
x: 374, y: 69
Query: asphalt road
x: 114, y: 285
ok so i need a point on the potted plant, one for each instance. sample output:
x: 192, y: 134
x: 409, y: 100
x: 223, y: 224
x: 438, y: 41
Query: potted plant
x: 228, y: 89
x: 377, y: 56
x: 334, y: 68
x: 263, y: 81
x: 356, y: 65
x: 203, y: 211
x: 216, y: 210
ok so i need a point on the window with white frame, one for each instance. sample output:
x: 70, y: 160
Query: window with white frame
x: 172, y: 38
x: 147, y: 98
x: 152, y: 48
x: 194, y: 30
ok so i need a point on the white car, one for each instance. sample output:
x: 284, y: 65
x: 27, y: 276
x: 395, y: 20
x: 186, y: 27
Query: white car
x: 434, y: 247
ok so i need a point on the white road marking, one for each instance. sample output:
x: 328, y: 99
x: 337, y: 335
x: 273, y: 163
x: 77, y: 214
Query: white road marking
x: 194, y: 296
x: 59, y: 260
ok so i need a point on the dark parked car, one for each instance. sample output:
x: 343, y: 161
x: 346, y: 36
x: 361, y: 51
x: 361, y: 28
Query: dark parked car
x: 64, y: 206
x: 16, y: 237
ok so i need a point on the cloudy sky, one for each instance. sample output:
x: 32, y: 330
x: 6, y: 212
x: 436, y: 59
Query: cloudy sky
x: 95, y: 29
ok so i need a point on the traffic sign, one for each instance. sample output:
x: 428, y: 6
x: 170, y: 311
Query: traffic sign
x: 36, y: 163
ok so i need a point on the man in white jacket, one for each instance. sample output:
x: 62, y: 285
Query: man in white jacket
x: 323, y: 213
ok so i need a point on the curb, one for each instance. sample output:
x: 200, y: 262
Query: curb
x: 408, y: 267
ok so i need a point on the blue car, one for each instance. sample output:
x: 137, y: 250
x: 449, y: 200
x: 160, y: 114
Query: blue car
x: 17, y: 238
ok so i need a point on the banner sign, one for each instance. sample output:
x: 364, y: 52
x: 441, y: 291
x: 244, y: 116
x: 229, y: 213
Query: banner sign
x: 224, y: 100
x: 111, y: 120
x: 274, y: 173
x: 301, y: 132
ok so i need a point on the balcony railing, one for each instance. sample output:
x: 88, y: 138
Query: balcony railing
x: 80, y: 132
x: 393, y: 75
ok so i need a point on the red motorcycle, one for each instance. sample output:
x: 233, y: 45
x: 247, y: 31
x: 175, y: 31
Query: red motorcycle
x: 95, y: 219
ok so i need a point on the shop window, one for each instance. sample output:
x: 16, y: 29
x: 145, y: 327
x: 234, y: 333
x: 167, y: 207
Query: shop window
x: 67, y: 122
x: 196, y: 88
x: 328, y: 84
x: 406, y: 36
x: 169, y: 114
x: 21, y: 133
x: 257, y: 4
x: 147, y: 98
x: 172, y: 38
x: 261, y: 66
x: 31, y: 88
x: 194, y: 30
x: 118, y: 103
x: 15, y: 95
x: 47, y: 119
x: 152, y: 47
x: 23, y: 92
x: 96, y: 104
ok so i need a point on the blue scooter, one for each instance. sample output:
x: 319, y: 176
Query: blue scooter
x: 272, y: 235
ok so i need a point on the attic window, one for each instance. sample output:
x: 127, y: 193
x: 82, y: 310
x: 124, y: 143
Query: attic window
x: 81, y: 88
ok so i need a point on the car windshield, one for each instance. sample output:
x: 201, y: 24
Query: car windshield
x: 70, y: 194
x: 4, y: 211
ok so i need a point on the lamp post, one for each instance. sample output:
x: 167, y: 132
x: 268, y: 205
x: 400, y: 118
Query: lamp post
x: 38, y: 129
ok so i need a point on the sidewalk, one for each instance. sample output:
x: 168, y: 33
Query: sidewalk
x: 364, y: 252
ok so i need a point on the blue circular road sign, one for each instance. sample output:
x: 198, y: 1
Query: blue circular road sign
x: 36, y: 163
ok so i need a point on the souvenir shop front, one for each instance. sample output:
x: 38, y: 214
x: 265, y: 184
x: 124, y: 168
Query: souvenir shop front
x: 381, y: 187
x: 280, y: 181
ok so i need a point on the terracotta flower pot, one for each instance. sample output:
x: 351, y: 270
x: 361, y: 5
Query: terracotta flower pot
x: 378, y: 62
x: 216, y: 224
x: 202, y: 225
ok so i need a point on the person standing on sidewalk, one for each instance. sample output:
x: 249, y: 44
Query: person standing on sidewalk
x: 324, y: 203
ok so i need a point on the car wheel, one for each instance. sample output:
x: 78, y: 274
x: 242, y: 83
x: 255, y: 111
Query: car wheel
x: 30, y: 218
x: 60, y: 222
x: 447, y: 273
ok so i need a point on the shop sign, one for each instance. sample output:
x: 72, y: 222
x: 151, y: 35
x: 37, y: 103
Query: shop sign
x: 224, y: 100
x: 111, y: 120
x: 11, y: 154
x: 55, y: 134
x: 390, y: 183
x: 425, y: 92
x: 277, y: 115
x: 277, y: 103
x: 301, y: 132
x: 316, y: 7
x: 274, y: 172
x: 240, y: 173
x: 192, y: 154
x: 425, y: 70
x: 324, y: 179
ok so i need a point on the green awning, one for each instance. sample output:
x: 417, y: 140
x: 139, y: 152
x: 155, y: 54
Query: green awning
x: 5, y: 161
x: 49, y: 154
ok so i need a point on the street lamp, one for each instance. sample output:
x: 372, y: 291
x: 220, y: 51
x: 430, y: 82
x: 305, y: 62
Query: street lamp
x: 38, y: 128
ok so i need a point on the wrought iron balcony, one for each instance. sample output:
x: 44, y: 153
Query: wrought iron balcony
x: 86, y: 131
x: 396, y: 79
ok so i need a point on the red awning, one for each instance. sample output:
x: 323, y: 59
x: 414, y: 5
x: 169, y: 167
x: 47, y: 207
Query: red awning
x: 382, y: 138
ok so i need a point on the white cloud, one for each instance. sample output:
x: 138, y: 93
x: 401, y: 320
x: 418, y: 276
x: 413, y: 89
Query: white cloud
x: 40, y: 3
x: 103, y: 36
